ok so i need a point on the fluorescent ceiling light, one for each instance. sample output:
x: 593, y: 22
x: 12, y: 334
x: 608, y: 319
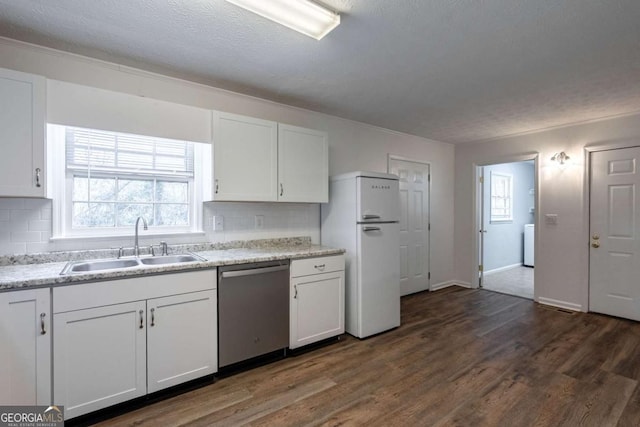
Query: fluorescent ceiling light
x: 304, y: 16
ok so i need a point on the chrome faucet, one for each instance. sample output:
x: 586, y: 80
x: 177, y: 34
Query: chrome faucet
x: 136, y: 248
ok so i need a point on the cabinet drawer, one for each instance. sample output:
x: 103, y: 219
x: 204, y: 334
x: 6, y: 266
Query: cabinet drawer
x: 306, y: 267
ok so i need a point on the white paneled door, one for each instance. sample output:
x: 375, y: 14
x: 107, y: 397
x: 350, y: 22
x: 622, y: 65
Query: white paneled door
x: 614, y: 288
x: 414, y: 224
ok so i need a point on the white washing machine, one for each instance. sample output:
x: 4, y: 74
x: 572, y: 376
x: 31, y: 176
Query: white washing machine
x: 529, y: 232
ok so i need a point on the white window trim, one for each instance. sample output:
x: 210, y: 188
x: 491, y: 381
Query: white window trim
x: 509, y: 178
x: 61, y: 227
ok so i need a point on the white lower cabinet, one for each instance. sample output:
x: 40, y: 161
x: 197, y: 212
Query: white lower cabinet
x: 317, y: 300
x: 181, y: 339
x: 99, y: 357
x: 121, y: 339
x: 25, y: 347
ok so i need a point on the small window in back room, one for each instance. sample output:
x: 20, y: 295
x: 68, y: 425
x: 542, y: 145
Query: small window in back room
x: 501, y: 197
x: 112, y: 178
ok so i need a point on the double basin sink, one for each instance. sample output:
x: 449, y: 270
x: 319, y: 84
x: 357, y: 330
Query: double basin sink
x: 78, y: 267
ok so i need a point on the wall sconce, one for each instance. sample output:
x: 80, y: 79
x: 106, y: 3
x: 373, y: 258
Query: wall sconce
x: 560, y: 157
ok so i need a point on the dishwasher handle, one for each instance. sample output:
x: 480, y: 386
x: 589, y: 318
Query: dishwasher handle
x: 253, y: 271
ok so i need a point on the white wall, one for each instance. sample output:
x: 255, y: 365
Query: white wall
x: 562, y: 252
x: 352, y: 145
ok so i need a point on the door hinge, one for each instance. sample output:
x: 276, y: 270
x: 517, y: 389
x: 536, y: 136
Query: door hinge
x: 429, y: 178
x: 482, y: 180
x: 429, y: 275
x: 480, y: 267
x: 429, y: 227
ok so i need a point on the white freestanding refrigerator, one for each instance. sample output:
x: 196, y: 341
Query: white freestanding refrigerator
x: 362, y: 216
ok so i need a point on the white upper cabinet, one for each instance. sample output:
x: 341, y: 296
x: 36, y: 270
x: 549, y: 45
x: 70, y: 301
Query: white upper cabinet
x: 245, y: 158
x: 262, y: 161
x: 303, y: 165
x: 22, y: 134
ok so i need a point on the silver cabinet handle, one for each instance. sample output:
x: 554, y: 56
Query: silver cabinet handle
x: 38, y: 170
x: 281, y: 190
x: 371, y: 229
x: 141, y: 319
x: 319, y: 267
x: 153, y: 317
x: 295, y: 288
x: 42, y: 328
x: 216, y: 191
x: 370, y: 216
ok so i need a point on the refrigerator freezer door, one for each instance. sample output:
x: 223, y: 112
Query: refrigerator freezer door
x: 379, y: 200
x: 378, y: 279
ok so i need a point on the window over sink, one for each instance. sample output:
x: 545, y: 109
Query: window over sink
x: 104, y: 180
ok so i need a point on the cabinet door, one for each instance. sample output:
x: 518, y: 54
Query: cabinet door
x: 303, y: 165
x: 22, y: 129
x: 181, y: 338
x: 99, y: 357
x: 317, y: 308
x: 245, y: 158
x: 25, y: 347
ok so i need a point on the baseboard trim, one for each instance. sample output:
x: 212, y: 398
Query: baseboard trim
x: 448, y: 283
x: 561, y: 304
x: 499, y: 269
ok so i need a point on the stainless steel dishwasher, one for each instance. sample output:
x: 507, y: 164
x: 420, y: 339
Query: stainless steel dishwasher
x: 253, y: 310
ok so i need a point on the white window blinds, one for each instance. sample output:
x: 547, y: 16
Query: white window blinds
x: 101, y: 151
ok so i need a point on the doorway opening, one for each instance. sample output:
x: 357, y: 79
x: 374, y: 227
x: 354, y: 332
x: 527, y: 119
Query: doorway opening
x: 507, y: 212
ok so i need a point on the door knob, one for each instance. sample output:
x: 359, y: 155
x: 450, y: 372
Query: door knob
x: 595, y: 237
x: 595, y: 244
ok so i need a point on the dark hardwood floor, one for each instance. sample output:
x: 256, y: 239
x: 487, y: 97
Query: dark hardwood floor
x: 461, y: 357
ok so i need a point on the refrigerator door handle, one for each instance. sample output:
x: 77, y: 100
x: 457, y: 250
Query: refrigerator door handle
x: 370, y: 216
x: 370, y: 229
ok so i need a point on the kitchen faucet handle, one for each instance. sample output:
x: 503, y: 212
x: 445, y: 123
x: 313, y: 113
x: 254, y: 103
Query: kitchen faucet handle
x: 165, y: 248
x: 152, y: 251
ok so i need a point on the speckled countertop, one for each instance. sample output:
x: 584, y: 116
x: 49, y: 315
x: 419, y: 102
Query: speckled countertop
x: 42, y: 270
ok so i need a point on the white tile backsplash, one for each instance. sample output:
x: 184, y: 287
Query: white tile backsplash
x: 280, y: 220
x: 26, y: 226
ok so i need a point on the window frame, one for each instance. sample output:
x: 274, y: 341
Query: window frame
x: 508, y: 198
x: 62, y: 193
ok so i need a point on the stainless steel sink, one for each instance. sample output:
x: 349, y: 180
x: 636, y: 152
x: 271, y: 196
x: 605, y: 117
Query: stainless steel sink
x: 171, y: 259
x: 98, y: 265
x: 79, y: 267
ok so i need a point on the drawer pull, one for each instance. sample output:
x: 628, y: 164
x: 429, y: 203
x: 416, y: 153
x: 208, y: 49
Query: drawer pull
x: 153, y: 317
x: 320, y: 267
x: 295, y: 288
x: 141, y: 319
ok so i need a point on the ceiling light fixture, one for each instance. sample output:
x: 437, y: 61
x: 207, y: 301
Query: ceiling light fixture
x: 304, y: 16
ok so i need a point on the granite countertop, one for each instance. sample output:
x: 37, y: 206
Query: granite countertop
x: 26, y: 272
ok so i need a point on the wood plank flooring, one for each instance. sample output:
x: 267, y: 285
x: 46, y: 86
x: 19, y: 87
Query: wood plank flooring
x: 461, y: 358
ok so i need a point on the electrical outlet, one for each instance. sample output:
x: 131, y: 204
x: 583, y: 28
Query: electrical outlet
x: 218, y: 223
x: 259, y: 222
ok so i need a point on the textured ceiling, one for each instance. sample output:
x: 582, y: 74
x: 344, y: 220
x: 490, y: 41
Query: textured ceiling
x: 449, y: 70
